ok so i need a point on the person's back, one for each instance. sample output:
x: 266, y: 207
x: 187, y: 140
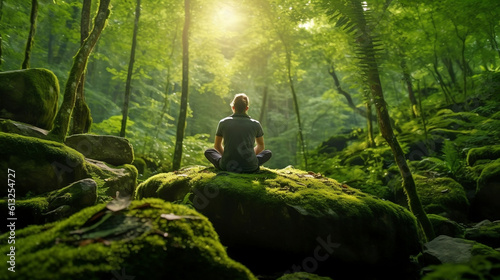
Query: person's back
x: 239, y: 133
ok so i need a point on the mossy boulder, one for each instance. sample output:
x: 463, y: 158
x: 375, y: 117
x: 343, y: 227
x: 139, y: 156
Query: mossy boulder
x: 479, y: 267
x: 29, y: 96
x: 112, y: 179
x: 485, y: 204
x: 442, y: 196
x: 150, y: 239
x: 110, y: 149
x: 40, y: 165
x: 485, y: 232
x: 483, y: 153
x: 10, y: 126
x: 446, y: 249
x: 445, y: 226
x: 54, y: 205
x: 277, y: 219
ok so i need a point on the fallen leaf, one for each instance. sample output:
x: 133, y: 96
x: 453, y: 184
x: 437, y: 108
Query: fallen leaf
x: 173, y: 217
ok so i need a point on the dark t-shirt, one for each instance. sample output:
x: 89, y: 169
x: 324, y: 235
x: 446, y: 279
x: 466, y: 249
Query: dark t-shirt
x: 239, y: 132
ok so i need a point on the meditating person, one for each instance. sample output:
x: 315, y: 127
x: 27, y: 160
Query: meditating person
x: 235, y: 139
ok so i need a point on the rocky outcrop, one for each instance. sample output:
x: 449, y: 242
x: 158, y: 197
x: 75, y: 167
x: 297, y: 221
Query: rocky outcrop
x: 41, y: 166
x: 281, y: 220
x: 443, y: 196
x: 485, y: 232
x: 113, y: 179
x: 147, y: 239
x: 29, y: 96
x: 111, y: 149
x: 485, y: 204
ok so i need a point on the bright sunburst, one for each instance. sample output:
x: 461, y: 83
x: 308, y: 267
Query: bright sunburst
x: 227, y: 18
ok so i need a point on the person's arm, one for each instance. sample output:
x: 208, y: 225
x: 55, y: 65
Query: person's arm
x: 260, y: 145
x: 218, y: 144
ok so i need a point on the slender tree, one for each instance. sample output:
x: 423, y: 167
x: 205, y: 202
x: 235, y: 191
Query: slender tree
x: 181, y: 122
x: 81, y: 116
x: 63, y: 117
x: 130, y: 69
x: 31, y: 36
x: 351, y: 14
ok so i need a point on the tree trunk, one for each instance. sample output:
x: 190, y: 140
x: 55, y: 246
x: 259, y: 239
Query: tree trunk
x: 409, y: 87
x: 81, y: 118
x: 61, y: 123
x: 126, y: 99
x: 370, y: 139
x: 264, y: 104
x: 347, y: 96
x: 295, y: 103
x: 31, y: 36
x: 181, y: 123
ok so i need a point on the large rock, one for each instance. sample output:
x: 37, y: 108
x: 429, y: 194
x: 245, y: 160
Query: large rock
x: 443, y: 196
x: 29, y: 96
x: 485, y: 232
x: 446, y: 249
x: 111, y: 149
x: 40, y: 166
x: 486, y: 153
x: 150, y: 239
x: 53, y: 206
x: 485, y: 204
x: 10, y: 126
x: 111, y: 179
x: 283, y: 220
x: 479, y: 267
x: 74, y: 198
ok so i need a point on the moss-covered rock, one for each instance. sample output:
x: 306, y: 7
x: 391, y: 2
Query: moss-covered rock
x: 10, y: 126
x: 40, y: 165
x: 485, y: 204
x: 54, y: 205
x: 110, y: 149
x: 485, y: 232
x: 479, y: 267
x: 443, y: 196
x: 150, y: 240
x: 445, y: 226
x: 29, y: 96
x: 483, y: 153
x: 446, y: 249
x: 112, y: 179
x: 276, y: 219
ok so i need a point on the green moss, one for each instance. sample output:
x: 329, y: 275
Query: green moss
x: 442, y: 195
x: 444, y: 226
x: 480, y: 267
x: 32, y: 96
x: 490, y: 173
x: 40, y: 165
x: 482, y: 153
x: 285, y: 211
x: 190, y: 251
x: 29, y: 211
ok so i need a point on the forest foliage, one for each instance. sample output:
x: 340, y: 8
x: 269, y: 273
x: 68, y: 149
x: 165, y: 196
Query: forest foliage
x: 440, y: 51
